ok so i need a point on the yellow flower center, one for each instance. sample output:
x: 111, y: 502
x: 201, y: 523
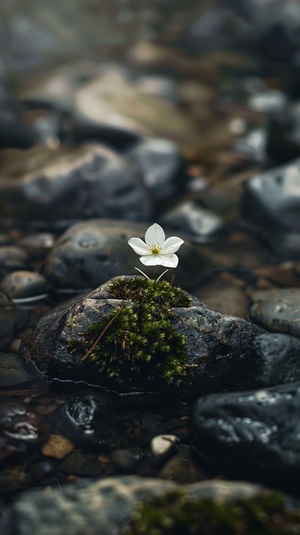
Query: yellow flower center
x: 154, y: 249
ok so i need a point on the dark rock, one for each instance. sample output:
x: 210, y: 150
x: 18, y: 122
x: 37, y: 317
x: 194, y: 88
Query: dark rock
x: 277, y: 310
x: 270, y: 207
x: 220, y: 350
x: 196, y: 222
x: 280, y: 354
x: 161, y: 166
x: 252, y: 435
x: 24, y: 285
x: 90, y: 253
x: 74, y: 184
x: 283, y: 135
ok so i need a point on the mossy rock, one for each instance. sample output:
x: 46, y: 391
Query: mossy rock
x: 135, y: 335
x: 176, y: 513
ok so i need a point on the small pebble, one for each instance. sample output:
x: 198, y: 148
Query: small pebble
x: 163, y: 447
x: 24, y: 285
x: 57, y: 446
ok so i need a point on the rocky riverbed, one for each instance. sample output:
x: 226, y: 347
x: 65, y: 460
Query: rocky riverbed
x: 184, y: 395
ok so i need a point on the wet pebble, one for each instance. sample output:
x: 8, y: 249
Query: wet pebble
x: 90, y: 253
x: 125, y: 461
x: 163, y: 447
x: 182, y: 469
x: 199, y: 224
x: 270, y: 207
x: 24, y: 285
x: 57, y: 446
x: 13, y: 257
x: 37, y: 244
x: 277, y: 310
x: 161, y: 166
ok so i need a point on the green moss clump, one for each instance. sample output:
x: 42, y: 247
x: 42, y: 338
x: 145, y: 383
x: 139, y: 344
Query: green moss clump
x: 174, y: 513
x: 138, y: 342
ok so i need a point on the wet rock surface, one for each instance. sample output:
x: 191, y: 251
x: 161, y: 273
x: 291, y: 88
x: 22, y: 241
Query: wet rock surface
x: 251, y: 435
x: 275, y: 195
x: 277, y: 310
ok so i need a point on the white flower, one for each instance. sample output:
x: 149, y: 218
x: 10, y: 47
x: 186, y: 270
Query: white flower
x: 157, y: 251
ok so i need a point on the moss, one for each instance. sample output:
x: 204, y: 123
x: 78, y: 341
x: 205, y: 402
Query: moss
x: 174, y: 513
x: 137, y: 341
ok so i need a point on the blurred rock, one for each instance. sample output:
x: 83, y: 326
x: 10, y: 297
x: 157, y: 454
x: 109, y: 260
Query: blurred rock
x: 193, y: 220
x: 277, y: 310
x: 270, y: 207
x: 20, y: 285
x: 251, y: 435
x: 161, y: 166
x: 72, y: 184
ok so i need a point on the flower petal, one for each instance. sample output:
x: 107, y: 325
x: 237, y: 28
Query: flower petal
x: 170, y: 260
x: 155, y: 235
x: 138, y: 246
x: 153, y: 260
x: 172, y: 245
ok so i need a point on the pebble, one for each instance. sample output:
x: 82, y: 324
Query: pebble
x: 37, y: 244
x: 270, y: 207
x: 161, y: 166
x: 182, y: 469
x: 277, y: 310
x: 57, y: 446
x: 125, y: 461
x: 163, y: 447
x: 24, y: 285
x: 13, y: 257
x: 196, y: 222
